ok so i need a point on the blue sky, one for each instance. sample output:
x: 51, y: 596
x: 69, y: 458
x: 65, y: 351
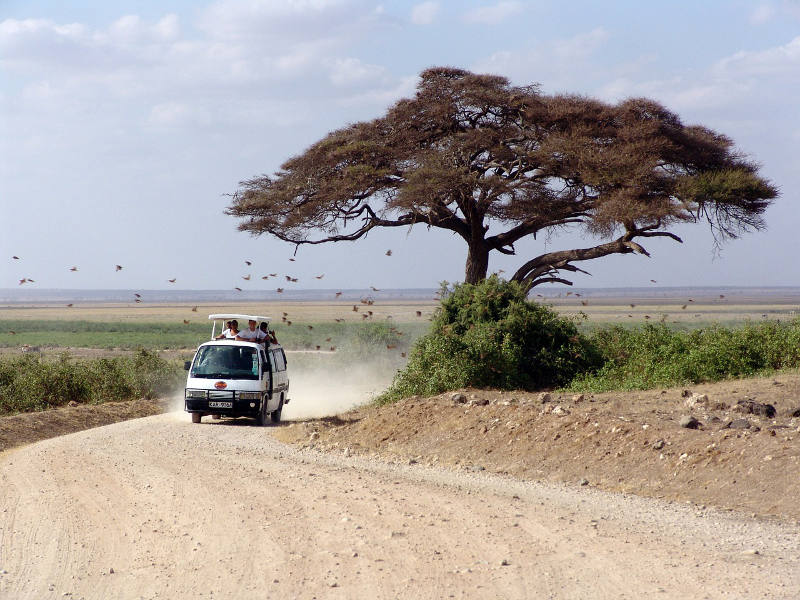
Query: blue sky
x: 124, y: 124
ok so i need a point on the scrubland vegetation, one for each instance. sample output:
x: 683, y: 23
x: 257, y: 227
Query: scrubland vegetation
x: 487, y: 335
x: 31, y: 382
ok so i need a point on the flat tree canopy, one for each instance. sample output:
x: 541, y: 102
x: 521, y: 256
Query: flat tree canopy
x: 472, y: 150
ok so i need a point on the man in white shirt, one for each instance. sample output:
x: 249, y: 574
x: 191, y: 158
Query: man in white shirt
x: 251, y: 334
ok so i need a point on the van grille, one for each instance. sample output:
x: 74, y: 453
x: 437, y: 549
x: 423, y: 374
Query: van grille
x: 220, y: 395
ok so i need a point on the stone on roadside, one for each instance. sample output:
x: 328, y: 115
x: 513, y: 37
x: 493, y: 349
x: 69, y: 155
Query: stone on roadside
x: 751, y: 407
x: 479, y: 402
x: 795, y: 412
x: 696, y: 399
x: 658, y: 445
x: 689, y: 422
x: 545, y: 397
x: 560, y: 411
x: 458, y: 398
x: 739, y: 424
x: 577, y: 398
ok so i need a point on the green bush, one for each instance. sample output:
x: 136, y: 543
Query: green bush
x: 490, y: 335
x: 31, y: 382
x: 657, y: 356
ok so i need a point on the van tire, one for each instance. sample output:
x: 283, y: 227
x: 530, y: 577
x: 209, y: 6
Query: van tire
x: 196, y: 417
x: 275, y: 415
x: 261, y: 417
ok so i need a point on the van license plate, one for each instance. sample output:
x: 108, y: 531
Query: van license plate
x: 213, y: 404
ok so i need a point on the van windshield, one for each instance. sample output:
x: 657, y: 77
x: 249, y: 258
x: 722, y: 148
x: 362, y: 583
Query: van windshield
x: 226, y: 362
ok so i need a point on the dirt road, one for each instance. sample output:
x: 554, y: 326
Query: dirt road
x: 161, y: 508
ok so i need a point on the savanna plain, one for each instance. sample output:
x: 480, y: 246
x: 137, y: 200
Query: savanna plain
x: 472, y: 493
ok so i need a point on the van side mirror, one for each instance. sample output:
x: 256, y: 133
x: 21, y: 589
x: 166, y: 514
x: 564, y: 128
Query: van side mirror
x: 186, y: 365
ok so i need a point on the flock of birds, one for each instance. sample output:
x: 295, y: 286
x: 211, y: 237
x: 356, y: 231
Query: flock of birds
x: 366, y: 314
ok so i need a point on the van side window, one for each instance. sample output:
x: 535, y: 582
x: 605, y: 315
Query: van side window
x: 280, y: 364
x: 272, y: 363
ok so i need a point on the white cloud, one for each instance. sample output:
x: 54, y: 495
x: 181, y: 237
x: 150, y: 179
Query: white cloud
x: 762, y: 14
x: 494, y: 14
x: 558, y: 65
x: 424, y: 13
x: 352, y: 71
x: 784, y: 60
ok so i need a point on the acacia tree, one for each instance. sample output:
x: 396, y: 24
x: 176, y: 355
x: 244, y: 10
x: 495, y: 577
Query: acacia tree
x: 471, y: 151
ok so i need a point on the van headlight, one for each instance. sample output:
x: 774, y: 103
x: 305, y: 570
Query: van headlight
x: 250, y: 395
x: 195, y: 393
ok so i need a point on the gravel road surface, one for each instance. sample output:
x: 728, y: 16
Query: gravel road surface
x: 161, y: 508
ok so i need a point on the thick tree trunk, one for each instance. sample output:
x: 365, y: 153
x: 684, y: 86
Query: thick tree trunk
x: 477, y: 262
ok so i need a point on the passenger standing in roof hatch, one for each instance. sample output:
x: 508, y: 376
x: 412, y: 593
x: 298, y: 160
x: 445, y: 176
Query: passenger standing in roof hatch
x: 225, y: 332
x: 251, y: 334
x: 270, y: 335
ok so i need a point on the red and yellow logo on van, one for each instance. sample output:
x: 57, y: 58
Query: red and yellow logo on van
x: 220, y: 385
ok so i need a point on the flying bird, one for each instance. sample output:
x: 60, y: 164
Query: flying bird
x: 318, y: 347
x: 238, y: 289
x: 339, y: 320
x: 137, y: 300
x: 289, y: 323
x: 333, y: 348
x: 273, y: 274
x: 355, y: 308
x: 73, y: 269
x: 374, y: 289
x: 248, y: 263
x: 633, y: 306
x: 390, y: 346
x: 311, y: 327
x: 722, y: 295
x: 118, y: 267
x: 388, y: 253
x: 585, y: 302
x: 69, y: 305
x: 246, y: 277
x: 291, y: 259
x: 653, y: 281
x: 15, y: 257
x: 684, y: 307
x: 320, y: 276
x: 419, y: 313
x: 338, y: 294
x: 647, y: 316
x: 23, y: 280
x: 173, y: 280
x: 265, y: 277
x: 365, y: 316
x: 280, y: 290
x: 194, y: 309
x: 185, y: 322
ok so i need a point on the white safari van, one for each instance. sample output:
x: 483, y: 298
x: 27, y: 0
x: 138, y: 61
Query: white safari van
x: 237, y: 379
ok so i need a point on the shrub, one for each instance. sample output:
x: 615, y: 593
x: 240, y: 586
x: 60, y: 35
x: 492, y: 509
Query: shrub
x: 30, y: 382
x: 490, y: 335
x: 657, y: 356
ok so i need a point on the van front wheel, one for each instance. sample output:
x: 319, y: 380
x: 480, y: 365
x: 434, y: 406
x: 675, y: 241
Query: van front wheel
x: 196, y: 417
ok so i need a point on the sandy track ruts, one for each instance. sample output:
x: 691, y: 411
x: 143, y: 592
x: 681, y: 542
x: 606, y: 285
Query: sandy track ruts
x: 224, y: 511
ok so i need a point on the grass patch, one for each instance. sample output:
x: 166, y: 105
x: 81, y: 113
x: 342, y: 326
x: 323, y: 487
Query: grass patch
x: 657, y: 356
x: 31, y: 382
x: 347, y: 336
